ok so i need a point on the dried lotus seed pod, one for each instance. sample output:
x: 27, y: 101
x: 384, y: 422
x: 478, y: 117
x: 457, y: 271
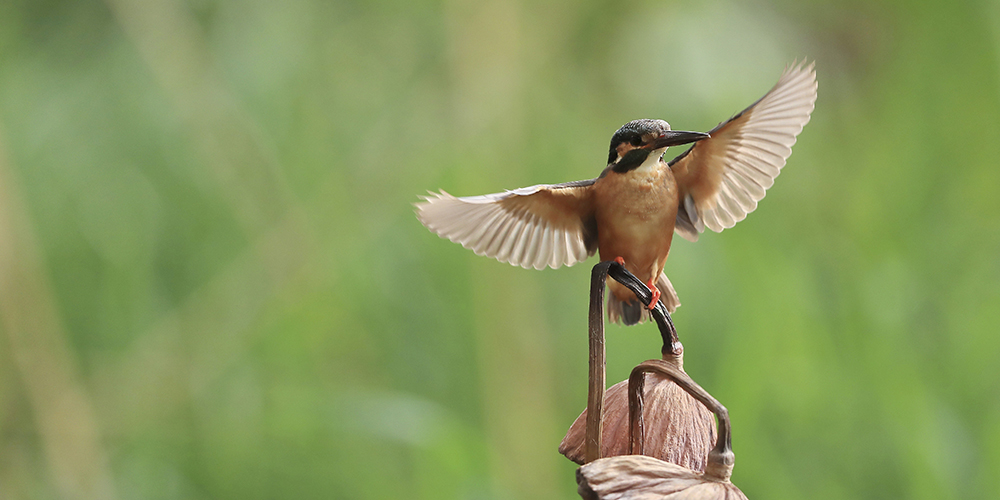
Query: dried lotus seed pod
x: 637, y: 477
x: 682, y: 432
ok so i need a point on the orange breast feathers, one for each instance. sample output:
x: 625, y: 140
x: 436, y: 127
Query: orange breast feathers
x: 635, y: 214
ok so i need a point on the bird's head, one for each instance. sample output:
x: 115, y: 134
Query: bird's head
x: 632, y: 144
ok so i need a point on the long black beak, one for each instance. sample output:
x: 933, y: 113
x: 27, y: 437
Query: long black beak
x: 675, y: 138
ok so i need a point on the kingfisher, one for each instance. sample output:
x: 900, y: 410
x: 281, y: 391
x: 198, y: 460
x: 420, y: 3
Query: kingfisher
x: 631, y: 211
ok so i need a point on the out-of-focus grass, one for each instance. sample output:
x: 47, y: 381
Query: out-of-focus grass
x: 214, y: 286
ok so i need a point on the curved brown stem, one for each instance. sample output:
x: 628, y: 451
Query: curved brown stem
x: 595, y: 394
x: 636, y: 426
x: 597, y: 378
x: 721, y: 457
x: 671, y: 344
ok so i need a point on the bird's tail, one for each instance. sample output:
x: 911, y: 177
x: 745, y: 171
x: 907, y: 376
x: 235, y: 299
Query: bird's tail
x: 633, y: 312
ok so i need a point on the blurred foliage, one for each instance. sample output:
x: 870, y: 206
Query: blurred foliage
x: 213, y: 284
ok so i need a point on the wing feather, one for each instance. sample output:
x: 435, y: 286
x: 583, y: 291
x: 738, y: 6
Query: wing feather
x: 532, y: 227
x: 723, y: 178
x: 558, y: 248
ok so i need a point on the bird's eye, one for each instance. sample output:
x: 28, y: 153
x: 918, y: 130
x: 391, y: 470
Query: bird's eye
x: 636, y: 141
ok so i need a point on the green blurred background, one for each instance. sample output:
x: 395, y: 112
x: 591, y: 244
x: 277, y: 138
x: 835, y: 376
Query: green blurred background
x: 212, y: 283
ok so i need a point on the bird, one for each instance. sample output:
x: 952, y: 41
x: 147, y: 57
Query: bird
x: 630, y: 212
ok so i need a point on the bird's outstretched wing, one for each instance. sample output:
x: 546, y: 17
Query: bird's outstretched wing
x: 721, y: 179
x: 544, y: 225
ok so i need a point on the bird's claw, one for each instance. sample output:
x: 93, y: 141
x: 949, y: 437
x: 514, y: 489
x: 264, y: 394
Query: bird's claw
x: 656, y: 295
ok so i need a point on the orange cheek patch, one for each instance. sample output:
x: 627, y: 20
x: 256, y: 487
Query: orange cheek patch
x: 623, y: 148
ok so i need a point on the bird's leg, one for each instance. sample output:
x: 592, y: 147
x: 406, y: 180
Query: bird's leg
x: 620, y: 260
x: 656, y: 294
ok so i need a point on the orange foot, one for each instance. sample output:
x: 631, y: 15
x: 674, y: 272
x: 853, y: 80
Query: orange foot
x: 656, y: 294
x: 620, y: 260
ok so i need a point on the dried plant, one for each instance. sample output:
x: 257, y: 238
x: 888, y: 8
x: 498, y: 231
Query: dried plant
x: 682, y: 431
x: 641, y: 477
x: 593, y: 438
